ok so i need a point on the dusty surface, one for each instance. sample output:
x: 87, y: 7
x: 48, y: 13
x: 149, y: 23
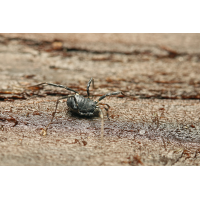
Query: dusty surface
x: 156, y: 123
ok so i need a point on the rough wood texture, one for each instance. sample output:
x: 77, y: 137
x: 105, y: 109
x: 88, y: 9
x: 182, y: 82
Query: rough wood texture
x: 157, y: 123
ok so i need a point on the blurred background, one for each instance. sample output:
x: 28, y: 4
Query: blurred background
x: 155, y: 123
x: 144, y: 65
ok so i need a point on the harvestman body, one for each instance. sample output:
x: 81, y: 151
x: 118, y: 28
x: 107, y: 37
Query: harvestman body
x: 81, y: 105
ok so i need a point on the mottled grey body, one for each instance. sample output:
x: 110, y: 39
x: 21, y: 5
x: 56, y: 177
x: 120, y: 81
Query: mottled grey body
x: 81, y: 105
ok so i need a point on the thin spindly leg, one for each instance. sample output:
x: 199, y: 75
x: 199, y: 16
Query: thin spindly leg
x: 55, y: 85
x: 109, y: 94
x: 102, y: 125
x: 106, y: 108
x: 88, y: 86
x: 44, y: 131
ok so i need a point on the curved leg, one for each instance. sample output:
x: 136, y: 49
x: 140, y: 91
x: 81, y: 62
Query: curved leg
x: 44, y: 131
x: 102, y: 125
x: 55, y: 85
x: 109, y: 94
x: 108, y: 107
x: 88, y: 86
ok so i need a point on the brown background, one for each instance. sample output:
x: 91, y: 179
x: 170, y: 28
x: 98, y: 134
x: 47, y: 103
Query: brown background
x: 156, y: 123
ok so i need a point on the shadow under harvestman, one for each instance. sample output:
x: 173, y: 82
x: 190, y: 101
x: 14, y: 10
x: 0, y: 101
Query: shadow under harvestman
x: 83, y: 106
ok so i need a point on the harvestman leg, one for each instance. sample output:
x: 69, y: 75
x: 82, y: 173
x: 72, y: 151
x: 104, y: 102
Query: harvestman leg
x: 88, y: 86
x: 109, y: 94
x: 102, y: 125
x: 44, y: 131
x: 54, y: 113
x: 101, y: 113
x: 106, y: 95
x: 108, y: 107
x: 61, y: 86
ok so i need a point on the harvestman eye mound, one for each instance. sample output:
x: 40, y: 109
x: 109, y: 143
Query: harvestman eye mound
x: 83, y: 106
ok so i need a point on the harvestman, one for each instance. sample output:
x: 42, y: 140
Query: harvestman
x: 81, y: 105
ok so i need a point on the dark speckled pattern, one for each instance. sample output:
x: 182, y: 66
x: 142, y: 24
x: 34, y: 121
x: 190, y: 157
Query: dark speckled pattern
x: 86, y: 106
